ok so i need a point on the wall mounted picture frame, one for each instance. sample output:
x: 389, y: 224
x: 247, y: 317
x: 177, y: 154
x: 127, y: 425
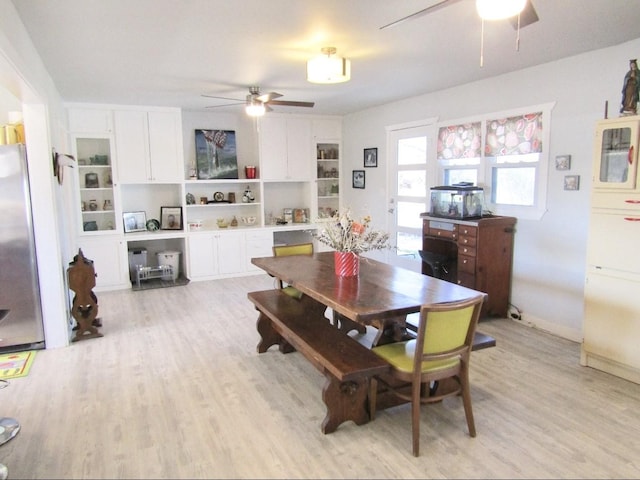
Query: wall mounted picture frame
x: 358, y: 179
x: 170, y: 218
x: 370, y: 157
x: 572, y: 182
x: 216, y: 154
x: 134, y: 222
x: 563, y: 162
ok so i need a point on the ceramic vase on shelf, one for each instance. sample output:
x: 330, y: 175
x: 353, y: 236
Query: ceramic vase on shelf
x: 347, y: 264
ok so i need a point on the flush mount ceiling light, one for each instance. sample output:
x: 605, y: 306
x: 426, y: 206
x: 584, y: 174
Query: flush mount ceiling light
x: 254, y: 107
x: 328, y: 67
x: 499, y: 9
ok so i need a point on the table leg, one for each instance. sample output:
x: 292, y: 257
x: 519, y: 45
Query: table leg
x: 391, y: 330
x: 344, y: 401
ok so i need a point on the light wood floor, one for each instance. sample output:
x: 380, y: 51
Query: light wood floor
x: 175, y: 389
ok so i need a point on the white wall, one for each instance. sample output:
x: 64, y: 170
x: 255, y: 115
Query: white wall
x: 550, y: 254
x: 24, y: 77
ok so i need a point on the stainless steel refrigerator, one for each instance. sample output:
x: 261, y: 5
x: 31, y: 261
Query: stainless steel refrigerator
x: 20, y: 308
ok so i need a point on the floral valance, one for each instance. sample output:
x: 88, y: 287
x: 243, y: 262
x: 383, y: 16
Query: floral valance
x: 459, y: 141
x: 514, y: 135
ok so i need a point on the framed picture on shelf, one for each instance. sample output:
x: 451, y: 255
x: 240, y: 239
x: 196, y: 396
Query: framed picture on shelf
x: 216, y: 155
x: 358, y: 179
x: 171, y: 218
x: 134, y: 222
x: 370, y: 157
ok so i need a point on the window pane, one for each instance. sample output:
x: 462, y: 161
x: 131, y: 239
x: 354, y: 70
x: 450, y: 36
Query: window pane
x: 412, y: 183
x: 412, y: 151
x: 511, y: 159
x: 409, y: 214
x: 408, y: 244
x: 453, y: 176
x: 513, y: 186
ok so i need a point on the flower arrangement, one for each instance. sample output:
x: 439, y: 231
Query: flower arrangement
x: 344, y: 234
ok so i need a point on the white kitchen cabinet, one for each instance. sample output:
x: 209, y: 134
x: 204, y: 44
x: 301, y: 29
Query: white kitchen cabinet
x: 89, y: 120
x: 149, y: 146
x: 285, y: 148
x: 611, y: 313
x: 258, y: 243
x: 110, y: 261
x: 216, y: 254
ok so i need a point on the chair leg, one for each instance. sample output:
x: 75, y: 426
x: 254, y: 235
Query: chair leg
x: 466, y: 401
x: 415, y: 417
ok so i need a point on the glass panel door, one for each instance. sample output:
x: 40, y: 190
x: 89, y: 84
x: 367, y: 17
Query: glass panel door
x: 409, y: 182
x: 616, y: 157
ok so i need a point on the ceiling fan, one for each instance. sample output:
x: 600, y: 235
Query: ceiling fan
x: 257, y: 103
x: 519, y: 12
x: 527, y: 16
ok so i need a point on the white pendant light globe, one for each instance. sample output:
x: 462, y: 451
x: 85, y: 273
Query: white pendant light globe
x: 499, y: 9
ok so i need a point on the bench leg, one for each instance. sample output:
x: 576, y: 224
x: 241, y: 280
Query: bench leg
x: 344, y: 401
x: 269, y: 336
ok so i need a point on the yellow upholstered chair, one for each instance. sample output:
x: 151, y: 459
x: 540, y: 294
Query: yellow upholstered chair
x: 294, y: 249
x: 441, y: 350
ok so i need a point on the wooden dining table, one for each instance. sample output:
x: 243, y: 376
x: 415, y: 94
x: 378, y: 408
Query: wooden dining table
x: 382, y: 295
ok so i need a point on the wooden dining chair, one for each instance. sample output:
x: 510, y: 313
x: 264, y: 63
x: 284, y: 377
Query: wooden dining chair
x: 293, y: 249
x: 441, y: 350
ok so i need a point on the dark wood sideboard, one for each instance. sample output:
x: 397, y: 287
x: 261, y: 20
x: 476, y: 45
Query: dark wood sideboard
x: 474, y: 253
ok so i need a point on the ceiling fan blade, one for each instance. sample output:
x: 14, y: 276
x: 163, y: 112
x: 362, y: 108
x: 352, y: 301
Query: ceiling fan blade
x: 225, y: 104
x: 290, y: 103
x: 424, y: 11
x: 221, y: 98
x: 527, y: 16
x: 267, y: 97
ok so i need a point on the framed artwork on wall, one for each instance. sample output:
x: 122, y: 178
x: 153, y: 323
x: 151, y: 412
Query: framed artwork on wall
x: 216, y: 155
x: 370, y: 157
x: 358, y: 179
x: 171, y: 218
x: 572, y: 182
x: 563, y: 162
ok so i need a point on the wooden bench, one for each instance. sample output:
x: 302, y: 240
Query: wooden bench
x: 347, y: 365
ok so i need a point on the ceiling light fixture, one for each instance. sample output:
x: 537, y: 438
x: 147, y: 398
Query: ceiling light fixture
x: 254, y: 107
x: 499, y: 9
x: 326, y: 68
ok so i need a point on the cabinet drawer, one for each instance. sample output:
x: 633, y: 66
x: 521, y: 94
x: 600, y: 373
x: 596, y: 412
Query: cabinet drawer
x: 467, y: 230
x: 617, y: 201
x: 467, y: 280
x: 464, y: 250
x: 438, y: 232
x: 466, y: 241
x: 466, y: 264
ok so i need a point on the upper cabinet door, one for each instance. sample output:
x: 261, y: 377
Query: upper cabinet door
x: 132, y: 146
x: 165, y: 146
x: 616, y: 155
x: 285, y: 149
x: 149, y: 146
x: 89, y: 120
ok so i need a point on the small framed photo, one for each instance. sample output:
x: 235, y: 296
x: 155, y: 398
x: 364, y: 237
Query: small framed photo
x: 134, y: 222
x: 358, y: 179
x: 563, y: 162
x: 572, y: 182
x: 370, y: 157
x: 171, y: 218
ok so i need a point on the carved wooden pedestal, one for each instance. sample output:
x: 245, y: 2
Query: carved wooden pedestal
x: 82, y: 279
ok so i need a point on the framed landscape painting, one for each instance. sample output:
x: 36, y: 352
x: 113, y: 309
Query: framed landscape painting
x: 216, y: 155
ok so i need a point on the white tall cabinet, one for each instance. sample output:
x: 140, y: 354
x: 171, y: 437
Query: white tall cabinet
x: 612, y: 313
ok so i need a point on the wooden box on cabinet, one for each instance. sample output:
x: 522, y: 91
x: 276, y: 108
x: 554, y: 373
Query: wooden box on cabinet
x: 478, y: 253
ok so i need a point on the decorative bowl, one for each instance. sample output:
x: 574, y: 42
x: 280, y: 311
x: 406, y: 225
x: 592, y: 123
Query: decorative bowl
x: 248, y: 220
